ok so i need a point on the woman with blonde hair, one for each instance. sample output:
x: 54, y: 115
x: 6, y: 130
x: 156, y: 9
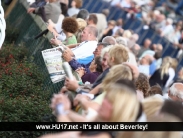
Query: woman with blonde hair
x: 81, y: 25
x: 127, y: 34
x: 113, y: 109
x: 161, y: 75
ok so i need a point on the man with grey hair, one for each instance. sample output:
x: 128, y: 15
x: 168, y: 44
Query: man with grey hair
x: 175, y: 92
x: 109, y: 40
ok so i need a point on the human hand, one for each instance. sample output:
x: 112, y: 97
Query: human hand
x: 67, y: 55
x: 63, y: 90
x: 80, y: 98
x: 60, y: 99
x: 55, y: 41
x: 71, y: 85
x: 31, y: 10
x: 81, y: 71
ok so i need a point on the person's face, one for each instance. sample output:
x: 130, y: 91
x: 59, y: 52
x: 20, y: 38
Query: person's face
x: 98, y: 50
x: 85, y: 34
x: 144, y: 60
x: 105, y: 61
x: 73, y: 3
x: 105, y: 110
x: 93, y: 66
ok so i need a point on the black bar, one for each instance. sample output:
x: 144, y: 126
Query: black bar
x: 88, y: 126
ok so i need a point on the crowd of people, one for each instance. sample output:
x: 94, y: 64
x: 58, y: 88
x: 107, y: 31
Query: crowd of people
x: 121, y: 80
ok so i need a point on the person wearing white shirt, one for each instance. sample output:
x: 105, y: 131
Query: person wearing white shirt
x: 89, y: 43
x: 168, y: 28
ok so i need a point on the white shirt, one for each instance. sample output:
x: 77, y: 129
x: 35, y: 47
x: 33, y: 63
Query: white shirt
x: 123, y: 3
x: 85, y: 49
x: 72, y: 11
x: 144, y: 69
x: 166, y: 30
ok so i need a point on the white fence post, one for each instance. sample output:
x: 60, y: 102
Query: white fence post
x: 2, y: 26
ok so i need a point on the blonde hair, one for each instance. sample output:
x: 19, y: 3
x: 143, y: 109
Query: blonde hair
x: 127, y: 34
x: 152, y: 105
x: 124, y: 101
x: 166, y: 64
x: 174, y: 63
x: 81, y: 25
x: 116, y: 73
x: 154, y: 134
x: 119, y: 53
x: 105, y: 50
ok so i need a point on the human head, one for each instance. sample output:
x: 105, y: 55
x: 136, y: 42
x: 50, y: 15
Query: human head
x: 127, y: 34
x: 92, y: 20
x: 169, y: 21
x: 176, y: 92
x: 90, y: 33
x: 109, y: 40
x: 147, y: 43
x: 142, y: 84
x: 146, y: 60
x: 152, y: 105
x: 135, y: 49
x: 83, y: 14
x: 81, y: 23
x: 70, y: 25
x: 77, y: 3
x: 117, y: 97
x: 118, y: 54
x: 166, y: 64
x: 156, y: 89
x: 112, y: 23
x: 95, y: 65
x: 121, y: 41
x: 105, y: 12
x: 119, y: 22
x: 104, y: 57
x: 157, y: 55
x: 116, y: 73
x: 174, y: 108
x: 134, y: 37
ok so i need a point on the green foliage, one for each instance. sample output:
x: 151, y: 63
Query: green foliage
x: 22, y: 98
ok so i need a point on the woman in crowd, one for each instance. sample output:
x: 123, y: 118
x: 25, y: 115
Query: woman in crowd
x: 161, y: 75
x: 142, y: 84
x: 81, y: 25
x: 113, y: 109
x: 156, y: 89
x: 70, y: 27
x: 76, y: 4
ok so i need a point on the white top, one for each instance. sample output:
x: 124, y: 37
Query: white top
x: 171, y: 72
x: 72, y: 11
x: 85, y: 49
x: 166, y: 30
x: 132, y: 58
x: 144, y: 69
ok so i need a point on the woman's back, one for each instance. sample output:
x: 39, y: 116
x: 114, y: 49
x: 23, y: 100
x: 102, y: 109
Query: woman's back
x: 157, y: 79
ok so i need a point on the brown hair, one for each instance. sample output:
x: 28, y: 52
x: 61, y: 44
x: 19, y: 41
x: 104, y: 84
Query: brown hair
x: 156, y: 89
x: 79, y: 3
x: 93, y: 17
x: 142, y: 84
x: 70, y: 25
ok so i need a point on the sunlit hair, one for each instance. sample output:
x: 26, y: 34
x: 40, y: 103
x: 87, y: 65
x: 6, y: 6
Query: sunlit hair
x: 174, y: 91
x: 124, y: 103
x: 127, y: 34
x: 119, y: 53
x: 152, y: 105
x: 154, y: 134
x: 104, y: 51
x: 166, y: 64
x: 109, y: 40
x: 116, y: 73
x: 174, y: 63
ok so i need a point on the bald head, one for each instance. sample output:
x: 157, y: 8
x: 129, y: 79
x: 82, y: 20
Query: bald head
x: 90, y: 33
x: 176, y: 92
